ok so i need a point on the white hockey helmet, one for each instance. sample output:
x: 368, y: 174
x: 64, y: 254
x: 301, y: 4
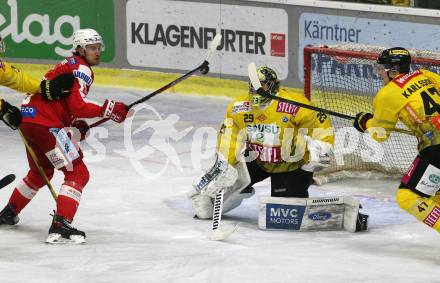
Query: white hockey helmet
x: 84, y: 37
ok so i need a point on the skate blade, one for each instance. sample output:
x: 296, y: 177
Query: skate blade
x: 223, y: 233
x: 56, y: 239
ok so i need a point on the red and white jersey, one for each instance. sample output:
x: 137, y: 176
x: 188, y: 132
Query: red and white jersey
x: 61, y: 113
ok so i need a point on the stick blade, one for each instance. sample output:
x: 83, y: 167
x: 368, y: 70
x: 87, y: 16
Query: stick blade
x: 223, y: 233
x: 7, y: 180
x: 253, y: 76
x: 255, y: 81
x: 213, y: 47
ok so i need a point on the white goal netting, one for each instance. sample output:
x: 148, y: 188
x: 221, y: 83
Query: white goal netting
x: 343, y: 78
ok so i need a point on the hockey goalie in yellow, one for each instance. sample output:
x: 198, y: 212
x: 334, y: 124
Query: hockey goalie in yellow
x: 274, y: 131
x: 13, y: 78
x: 412, y: 97
x: 263, y: 138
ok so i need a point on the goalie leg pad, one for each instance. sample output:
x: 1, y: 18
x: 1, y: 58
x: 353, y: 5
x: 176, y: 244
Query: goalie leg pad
x: 312, y: 214
x: 202, y: 205
x: 221, y: 175
x: 233, y: 200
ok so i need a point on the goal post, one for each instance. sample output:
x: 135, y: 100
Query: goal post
x: 344, y: 79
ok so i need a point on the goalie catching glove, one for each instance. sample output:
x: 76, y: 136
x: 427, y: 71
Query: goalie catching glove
x: 360, y: 122
x: 319, y: 155
x: 10, y: 114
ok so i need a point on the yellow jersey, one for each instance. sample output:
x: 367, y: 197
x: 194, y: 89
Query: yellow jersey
x: 13, y: 78
x: 412, y: 98
x: 274, y: 132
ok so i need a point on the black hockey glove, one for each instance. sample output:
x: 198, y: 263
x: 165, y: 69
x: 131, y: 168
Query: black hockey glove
x: 10, y: 114
x: 57, y: 88
x: 360, y: 123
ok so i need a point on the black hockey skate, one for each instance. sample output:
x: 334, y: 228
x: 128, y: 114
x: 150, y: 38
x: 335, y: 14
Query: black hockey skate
x: 362, y: 222
x: 8, y: 216
x: 61, y: 232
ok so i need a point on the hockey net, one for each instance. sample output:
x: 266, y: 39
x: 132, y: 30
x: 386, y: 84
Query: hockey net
x: 344, y: 79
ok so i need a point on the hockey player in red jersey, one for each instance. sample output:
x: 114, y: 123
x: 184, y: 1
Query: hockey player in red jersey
x: 14, y: 78
x: 43, y: 125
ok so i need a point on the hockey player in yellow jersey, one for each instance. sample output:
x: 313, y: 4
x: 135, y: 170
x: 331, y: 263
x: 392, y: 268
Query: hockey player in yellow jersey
x: 275, y: 139
x: 15, y: 79
x: 413, y: 98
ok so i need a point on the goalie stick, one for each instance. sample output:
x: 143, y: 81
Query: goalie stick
x: 256, y: 84
x: 203, y: 68
x: 218, y: 233
x: 7, y: 180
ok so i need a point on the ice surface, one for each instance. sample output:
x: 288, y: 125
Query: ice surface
x: 141, y: 229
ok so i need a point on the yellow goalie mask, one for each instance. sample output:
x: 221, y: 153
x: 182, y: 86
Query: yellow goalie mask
x: 269, y: 82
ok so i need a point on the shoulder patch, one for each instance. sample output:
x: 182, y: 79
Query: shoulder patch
x: 72, y: 61
x: 402, y: 80
x: 242, y: 106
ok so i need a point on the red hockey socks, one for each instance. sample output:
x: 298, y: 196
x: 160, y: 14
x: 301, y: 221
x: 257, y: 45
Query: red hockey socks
x: 27, y: 189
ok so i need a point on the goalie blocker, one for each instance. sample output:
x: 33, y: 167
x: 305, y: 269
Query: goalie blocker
x: 311, y: 214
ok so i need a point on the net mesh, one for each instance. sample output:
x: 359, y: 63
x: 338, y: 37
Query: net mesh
x: 347, y: 85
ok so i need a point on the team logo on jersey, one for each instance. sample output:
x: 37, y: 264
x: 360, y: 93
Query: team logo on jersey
x: 2, y: 65
x: 73, y: 61
x: 80, y: 75
x: 262, y: 117
x: 287, y: 108
x: 28, y: 112
x: 285, y: 119
x: 241, y: 107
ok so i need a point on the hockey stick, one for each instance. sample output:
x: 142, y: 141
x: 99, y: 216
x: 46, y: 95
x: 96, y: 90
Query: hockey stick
x: 203, y: 68
x: 218, y: 234
x: 7, y: 180
x: 40, y: 170
x: 256, y: 84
